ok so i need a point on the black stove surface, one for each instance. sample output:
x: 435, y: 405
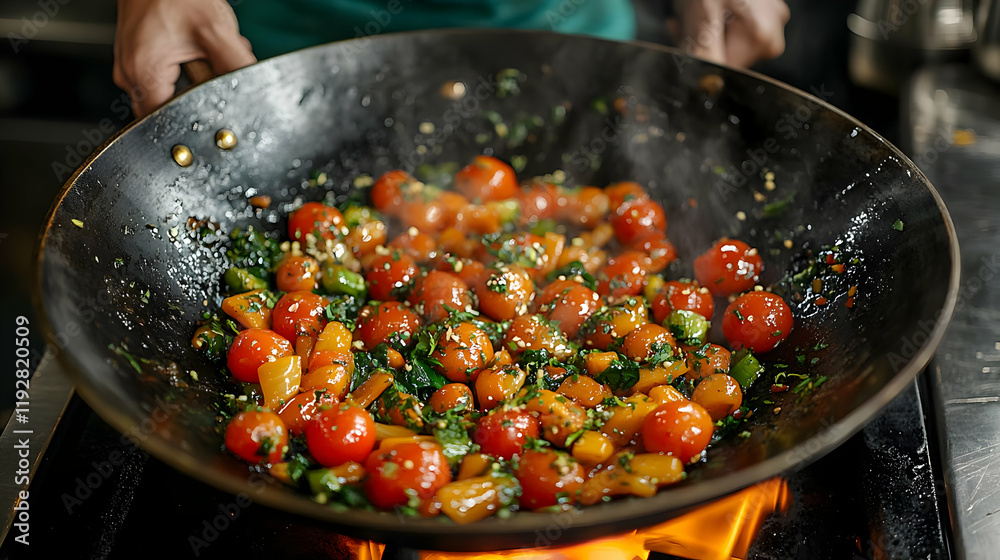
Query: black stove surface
x: 98, y: 496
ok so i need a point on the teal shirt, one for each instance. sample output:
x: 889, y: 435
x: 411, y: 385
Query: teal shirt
x: 278, y: 26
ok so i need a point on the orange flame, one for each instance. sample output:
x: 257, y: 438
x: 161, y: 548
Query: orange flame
x: 721, y: 530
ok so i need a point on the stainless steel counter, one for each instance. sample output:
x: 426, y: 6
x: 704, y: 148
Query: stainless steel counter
x: 953, y: 130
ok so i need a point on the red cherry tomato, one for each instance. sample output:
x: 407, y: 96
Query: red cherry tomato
x: 297, y: 274
x: 537, y: 202
x: 486, y: 179
x: 624, y: 275
x: 393, y: 474
x: 437, y: 291
x: 569, y: 304
x: 302, y: 407
x: 728, y: 267
x: 688, y: 296
x: 253, y: 347
x: 257, y: 437
x: 462, y: 351
x: 299, y: 313
x: 340, y: 434
x: 636, y: 218
x: 418, y: 245
x: 548, y: 478
x: 679, y: 428
x: 389, y: 275
x: 312, y: 217
x: 660, y: 250
x: 386, y: 321
x: 625, y: 191
x: 503, y: 434
x: 757, y: 320
x: 387, y: 194
x: 585, y: 207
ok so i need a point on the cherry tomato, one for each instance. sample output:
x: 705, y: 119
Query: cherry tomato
x: 757, y: 320
x: 486, y: 179
x: 340, y: 434
x: 497, y: 384
x: 428, y: 216
x: 660, y: 250
x: 533, y: 332
x: 569, y: 304
x: 476, y: 218
x: 316, y: 218
x: 439, y: 290
x: 299, y: 313
x: 624, y: 275
x: 462, y: 350
x: 647, y: 340
x: 688, y: 296
x: 296, y: 274
x: 679, y: 428
x: 625, y: 191
x: 728, y: 267
x: 538, y: 201
x: 452, y: 396
x: 548, y: 478
x: 503, y: 292
x: 707, y: 360
x: 253, y: 347
x: 605, y: 327
x: 302, y: 407
x: 394, y: 474
x: 387, y: 194
x: 419, y: 246
x: 503, y: 434
x: 719, y: 394
x: 585, y: 207
x: 387, y: 322
x: 364, y: 238
x: 636, y: 218
x: 257, y: 437
x: 389, y: 275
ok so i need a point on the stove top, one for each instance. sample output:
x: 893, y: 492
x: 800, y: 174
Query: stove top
x: 954, y: 120
x: 98, y: 496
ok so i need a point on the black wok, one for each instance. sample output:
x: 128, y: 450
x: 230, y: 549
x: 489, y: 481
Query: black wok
x: 121, y: 289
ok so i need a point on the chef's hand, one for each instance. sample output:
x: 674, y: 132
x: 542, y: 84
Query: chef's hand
x: 733, y: 32
x: 154, y: 37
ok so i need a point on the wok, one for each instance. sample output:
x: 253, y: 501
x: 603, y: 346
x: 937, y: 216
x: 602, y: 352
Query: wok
x: 121, y: 287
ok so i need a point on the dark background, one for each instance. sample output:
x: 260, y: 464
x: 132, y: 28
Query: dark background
x: 58, y: 103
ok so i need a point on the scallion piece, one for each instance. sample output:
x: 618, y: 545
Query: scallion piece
x: 745, y: 368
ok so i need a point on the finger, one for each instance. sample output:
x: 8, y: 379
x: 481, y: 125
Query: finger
x: 226, y: 50
x: 742, y: 48
x: 703, y: 29
x: 152, y: 84
x: 756, y: 36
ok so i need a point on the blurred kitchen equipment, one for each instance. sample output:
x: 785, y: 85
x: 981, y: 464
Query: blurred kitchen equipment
x: 891, y: 38
x: 986, y: 51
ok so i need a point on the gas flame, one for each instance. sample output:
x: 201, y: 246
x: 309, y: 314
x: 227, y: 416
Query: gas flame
x: 720, y: 530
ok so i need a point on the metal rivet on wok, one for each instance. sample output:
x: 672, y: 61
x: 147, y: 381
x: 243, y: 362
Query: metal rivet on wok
x: 225, y: 139
x: 182, y: 155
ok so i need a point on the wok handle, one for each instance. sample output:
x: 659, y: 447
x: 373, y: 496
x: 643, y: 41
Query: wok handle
x: 197, y: 71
